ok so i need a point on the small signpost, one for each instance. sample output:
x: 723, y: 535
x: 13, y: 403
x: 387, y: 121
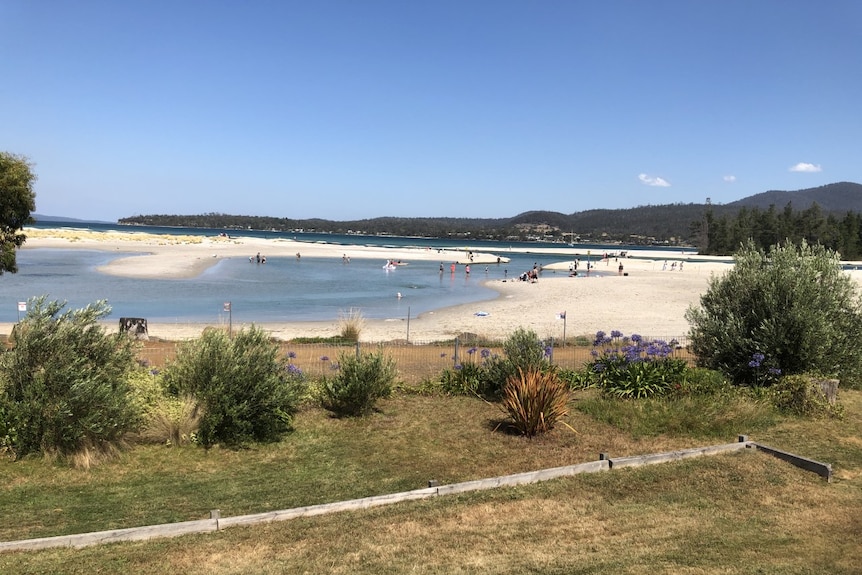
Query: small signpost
x: 229, y: 318
x: 22, y: 307
x: 562, y: 316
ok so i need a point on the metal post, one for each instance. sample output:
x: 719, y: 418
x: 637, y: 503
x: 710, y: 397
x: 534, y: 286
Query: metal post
x: 227, y: 307
x: 408, y: 324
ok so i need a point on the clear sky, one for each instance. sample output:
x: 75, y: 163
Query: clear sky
x: 466, y: 108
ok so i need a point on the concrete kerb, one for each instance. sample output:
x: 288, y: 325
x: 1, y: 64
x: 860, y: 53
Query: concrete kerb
x: 216, y: 523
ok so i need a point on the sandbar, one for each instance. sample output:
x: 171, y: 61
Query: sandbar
x: 650, y: 297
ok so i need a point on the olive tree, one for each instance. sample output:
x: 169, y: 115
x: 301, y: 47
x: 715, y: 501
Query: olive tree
x: 64, y: 386
x: 788, y: 310
x: 17, y: 200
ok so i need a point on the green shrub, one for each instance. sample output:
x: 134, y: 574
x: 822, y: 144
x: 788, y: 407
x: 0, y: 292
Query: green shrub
x: 535, y: 401
x: 359, y: 382
x: 802, y: 395
x: 522, y: 351
x: 790, y: 310
x: 247, y: 393
x: 633, y: 367
x: 701, y: 381
x: 64, y: 384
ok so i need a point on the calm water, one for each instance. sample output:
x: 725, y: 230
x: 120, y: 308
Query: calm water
x: 283, y: 289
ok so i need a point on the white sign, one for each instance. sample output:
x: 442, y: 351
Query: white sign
x: 227, y: 306
x: 22, y: 306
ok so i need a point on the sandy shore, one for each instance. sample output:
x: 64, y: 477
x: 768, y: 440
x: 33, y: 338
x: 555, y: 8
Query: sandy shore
x: 648, y: 300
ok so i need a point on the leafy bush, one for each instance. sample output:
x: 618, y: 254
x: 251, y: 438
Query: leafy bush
x: 470, y: 376
x: 793, y: 307
x: 535, y: 401
x: 633, y: 367
x: 245, y: 390
x: 802, y: 395
x: 64, y: 384
x: 359, y: 382
x: 522, y: 351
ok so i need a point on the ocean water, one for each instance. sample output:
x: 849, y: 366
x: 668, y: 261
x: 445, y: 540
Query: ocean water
x: 281, y: 290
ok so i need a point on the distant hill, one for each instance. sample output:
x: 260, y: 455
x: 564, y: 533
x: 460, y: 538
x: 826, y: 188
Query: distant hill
x: 669, y: 224
x: 44, y: 218
x: 840, y: 197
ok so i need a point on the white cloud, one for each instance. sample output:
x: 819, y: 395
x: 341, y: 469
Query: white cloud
x: 654, y: 181
x: 730, y: 178
x: 805, y: 167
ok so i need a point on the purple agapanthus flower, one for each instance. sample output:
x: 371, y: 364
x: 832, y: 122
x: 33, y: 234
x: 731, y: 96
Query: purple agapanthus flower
x: 294, y: 369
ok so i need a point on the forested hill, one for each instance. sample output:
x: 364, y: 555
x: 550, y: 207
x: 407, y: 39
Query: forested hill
x: 837, y: 198
x: 670, y: 224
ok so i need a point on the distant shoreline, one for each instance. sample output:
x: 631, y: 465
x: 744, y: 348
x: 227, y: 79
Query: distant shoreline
x: 648, y: 300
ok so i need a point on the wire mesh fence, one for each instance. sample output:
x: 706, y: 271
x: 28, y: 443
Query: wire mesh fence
x: 416, y: 361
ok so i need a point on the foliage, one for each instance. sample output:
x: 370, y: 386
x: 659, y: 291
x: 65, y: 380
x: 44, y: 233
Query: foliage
x: 167, y: 419
x: 802, y: 395
x: 351, y: 323
x: 244, y: 388
x: 64, y: 384
x: 708, y: 415
x: 470, y: 375
x: 486, y: 376
x: 17, y: 200
x: 790, y: 310
x: 535, y: 400
x: 361, y: 380
x: 633, y: 367
x: 522, y: 351
x: 840, y: 230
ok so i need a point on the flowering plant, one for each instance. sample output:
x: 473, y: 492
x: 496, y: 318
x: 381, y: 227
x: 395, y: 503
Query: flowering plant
x: 633, y: 367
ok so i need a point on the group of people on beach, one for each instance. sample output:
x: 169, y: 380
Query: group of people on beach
x: 532, y: 275
x: 258, y: 258
x: 672, y: 266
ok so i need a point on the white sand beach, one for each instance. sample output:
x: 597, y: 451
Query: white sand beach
x: 650, y: 299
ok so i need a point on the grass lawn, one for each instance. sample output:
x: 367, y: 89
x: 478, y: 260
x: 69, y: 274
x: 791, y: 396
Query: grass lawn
x: 738, y: 513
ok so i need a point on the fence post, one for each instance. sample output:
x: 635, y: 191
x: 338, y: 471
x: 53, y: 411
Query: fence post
x: 551, y: 354
x: 357, y: 350
x: 455, y: 356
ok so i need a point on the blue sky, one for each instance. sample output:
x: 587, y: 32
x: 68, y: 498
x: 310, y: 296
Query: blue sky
x: 357, y: 109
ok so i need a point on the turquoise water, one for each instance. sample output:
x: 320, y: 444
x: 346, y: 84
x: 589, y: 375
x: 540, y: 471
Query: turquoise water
x: 281, y: 290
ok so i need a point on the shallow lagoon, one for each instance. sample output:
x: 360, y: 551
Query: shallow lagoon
x: 281, y: 290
